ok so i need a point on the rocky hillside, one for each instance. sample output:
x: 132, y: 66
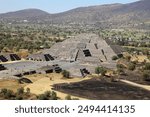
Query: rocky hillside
x: 27, y: 14
x: 136, y: 14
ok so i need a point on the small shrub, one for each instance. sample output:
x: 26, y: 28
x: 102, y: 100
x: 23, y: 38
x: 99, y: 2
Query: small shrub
x: 114, y: 58
x: 146, y: 75
x: 19, y: 97
x: 54, y: 96
x: 120, y: 66
x: 20, y: 91
x: 42, y: 97
x: 66, y: 74
x: 100, y: 70
x: 3, y: 91
x: 47, y: 94
x: 131, y: 66
x: 128, y: 58
x: 9, y: 94
x: 147, y: 66
x: 28, y: 90
x: 120, y: 55
x: 68, y: 97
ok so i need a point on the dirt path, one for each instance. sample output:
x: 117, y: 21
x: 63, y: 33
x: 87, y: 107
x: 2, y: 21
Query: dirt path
x: 147, y: 87
x: 45, y: 84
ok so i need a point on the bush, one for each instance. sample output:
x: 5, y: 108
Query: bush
x: 18, y: 97
x: 128, y: 58
x: 131, y: 66
x: 66, y: 74
x: 147, y: 66
x: 3, y: 91
x: 120, y: 66
x: 9, y: 94
x: 120, y: 55
x: 68, y: 97
x: 20, y: 91
x: 121, y: 72
x: 28, y: 90
x: 42, y: 97
x: 54, y: 96
x: 114, y: 58
x: 6, y: 93
x: 100, y: 70
x: 48, y: 95
x: 135, y: 62
x: 146, y: 75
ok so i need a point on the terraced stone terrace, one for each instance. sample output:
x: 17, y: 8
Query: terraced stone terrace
x: 86, y: 50
x: 83, y: 52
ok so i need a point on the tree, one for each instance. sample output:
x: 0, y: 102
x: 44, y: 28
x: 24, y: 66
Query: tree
x: 100, y: 70
x: 20, y: 91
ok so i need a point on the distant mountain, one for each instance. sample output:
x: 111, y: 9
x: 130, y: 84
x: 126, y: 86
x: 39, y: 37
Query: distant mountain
x: 27, y: 14
x: 86, y: 14
x: 106, y: 16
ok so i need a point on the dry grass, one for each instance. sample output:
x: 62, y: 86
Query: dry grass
x: 35, y: 77
x: 45, y: 83
x: 41, y: 83
x: 139, y: 58
x: 10, y: 84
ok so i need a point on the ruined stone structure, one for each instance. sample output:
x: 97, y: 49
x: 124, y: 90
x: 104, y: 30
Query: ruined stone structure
x: 85, y: 48
x: 40, y: 57
x: 79, y: 55
x: 2, y: 67
x: 9, y: 57
x: 3, y: 58
x: 86, y: 51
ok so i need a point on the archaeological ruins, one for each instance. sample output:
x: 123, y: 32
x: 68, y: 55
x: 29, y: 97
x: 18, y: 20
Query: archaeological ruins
x: 79, y: 55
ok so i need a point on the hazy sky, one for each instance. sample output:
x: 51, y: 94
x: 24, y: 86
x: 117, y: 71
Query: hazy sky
x: 52, y: 6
